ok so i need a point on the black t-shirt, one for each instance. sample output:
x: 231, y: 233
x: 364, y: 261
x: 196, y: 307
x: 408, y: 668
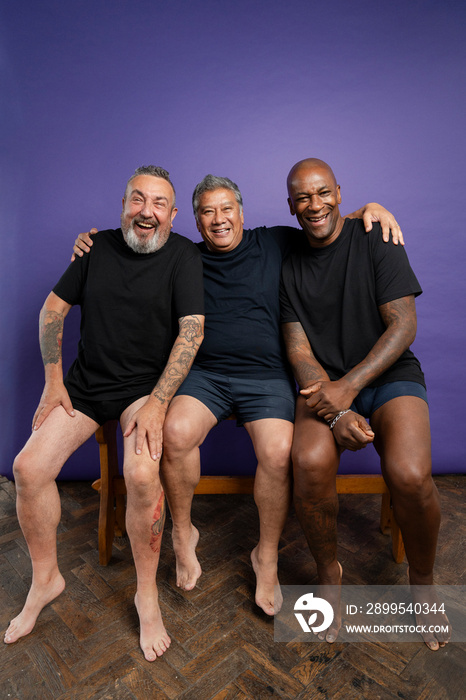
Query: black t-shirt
x: 242, y: 325
x: 335, y: 292
x: 130, y: 306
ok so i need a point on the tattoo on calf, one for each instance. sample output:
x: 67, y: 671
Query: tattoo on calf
x: 319, y: 522
x: 157, y: 525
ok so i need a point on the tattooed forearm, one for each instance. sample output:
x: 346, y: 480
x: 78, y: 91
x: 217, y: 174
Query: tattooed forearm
x: 51, y: 336
x: 305, y: 367
x: 190, y: 336
x: 399, y: 317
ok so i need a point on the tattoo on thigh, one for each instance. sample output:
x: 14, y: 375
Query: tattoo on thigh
x: 157, y: 525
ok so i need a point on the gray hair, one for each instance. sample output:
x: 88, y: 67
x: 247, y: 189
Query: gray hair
x: 155, y: 171
x: 213, y: 182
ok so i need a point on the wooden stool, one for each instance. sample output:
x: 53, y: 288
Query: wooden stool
x: 111, y: 487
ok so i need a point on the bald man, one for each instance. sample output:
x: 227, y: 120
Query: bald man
x: 349, y: 317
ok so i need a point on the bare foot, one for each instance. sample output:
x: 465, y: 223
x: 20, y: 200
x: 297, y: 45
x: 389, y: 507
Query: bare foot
x: 430, y: 618
x: 268, y: 594
x: 188, y: 568
x: 329, y: 589
x: 38, y: 597
x: 154, y: 639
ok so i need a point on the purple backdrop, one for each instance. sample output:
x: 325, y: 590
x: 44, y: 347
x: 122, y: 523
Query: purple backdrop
x: 93, y: 89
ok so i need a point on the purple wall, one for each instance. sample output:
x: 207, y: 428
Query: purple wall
x: 90, y: 90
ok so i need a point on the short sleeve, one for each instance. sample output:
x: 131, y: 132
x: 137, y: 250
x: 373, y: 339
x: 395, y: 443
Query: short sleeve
x: 287, y: 312
x: 71, y: 284
x: 189, y: 285
x: 394, y: 277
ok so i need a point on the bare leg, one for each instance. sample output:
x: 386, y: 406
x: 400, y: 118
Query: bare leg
x: 315, y: 459
x: 186, y: 426
x: 38, y: 507
x: 272, y: 440
x: 403, y: 441
x: 145, y: 515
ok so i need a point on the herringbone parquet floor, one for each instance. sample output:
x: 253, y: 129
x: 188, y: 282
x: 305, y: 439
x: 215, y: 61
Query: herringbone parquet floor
x: 85, y: 644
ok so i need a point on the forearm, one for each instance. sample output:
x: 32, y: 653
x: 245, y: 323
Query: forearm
x: 180, y: 360
x: 400, y: 319
x: 306, y: 369
x: 51, y: 321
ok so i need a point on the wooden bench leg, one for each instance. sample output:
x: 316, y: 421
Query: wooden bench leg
x: 389, y: 526
x: 106, y: 437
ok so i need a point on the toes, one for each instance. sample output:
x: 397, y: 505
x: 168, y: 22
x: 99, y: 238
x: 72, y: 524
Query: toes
x: 149, y: 654
x: 432, y: 644
x: 268, y: 609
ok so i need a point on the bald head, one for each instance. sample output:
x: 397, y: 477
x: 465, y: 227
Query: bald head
x: 313, y: 197
x: 307, y: 165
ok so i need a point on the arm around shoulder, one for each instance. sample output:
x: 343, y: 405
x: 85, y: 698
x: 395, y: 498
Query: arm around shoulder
x: 376, y: 212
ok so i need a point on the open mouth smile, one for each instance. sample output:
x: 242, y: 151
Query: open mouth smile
x: 318, y: 219
x: 145, y: 226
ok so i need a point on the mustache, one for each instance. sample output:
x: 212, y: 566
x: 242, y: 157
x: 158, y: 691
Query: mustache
x: 141, y: 220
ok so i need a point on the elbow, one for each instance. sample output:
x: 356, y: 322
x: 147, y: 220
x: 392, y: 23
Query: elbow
x: 411, y: 333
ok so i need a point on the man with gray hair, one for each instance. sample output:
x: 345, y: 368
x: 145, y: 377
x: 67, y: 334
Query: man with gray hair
x: 241, y: 368
x: 142, y: 318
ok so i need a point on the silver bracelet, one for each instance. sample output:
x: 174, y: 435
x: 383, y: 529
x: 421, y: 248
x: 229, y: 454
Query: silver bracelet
x: 331, y: 424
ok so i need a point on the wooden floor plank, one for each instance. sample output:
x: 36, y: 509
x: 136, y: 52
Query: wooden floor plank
x: 85, y: 644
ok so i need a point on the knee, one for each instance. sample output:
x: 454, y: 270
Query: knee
x: 411, y: 482
x: 141, y: 477
x: 23, y: 469
x: 179, y: 434
x: 276, y: 456
x: 314, y: 469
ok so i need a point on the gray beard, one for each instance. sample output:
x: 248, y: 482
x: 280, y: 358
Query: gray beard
x: 144, y: 247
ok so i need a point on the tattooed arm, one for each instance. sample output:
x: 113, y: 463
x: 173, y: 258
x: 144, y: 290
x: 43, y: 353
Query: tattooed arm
x: 351, y: 431
x: 51, y: 321
x: 149, y: 420
x: 399, y: 316
x: 305, y: 367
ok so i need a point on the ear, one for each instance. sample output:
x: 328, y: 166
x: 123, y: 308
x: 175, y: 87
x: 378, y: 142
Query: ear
x: 198, y: 226
x: 172, y: 215
x: 290, y: 204
x: 338, y: 194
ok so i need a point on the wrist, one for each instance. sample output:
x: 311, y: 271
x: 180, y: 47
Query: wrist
x: 158, y: 402
x: 351, y: 385
x: 333, y: 421
x: 53, y: 376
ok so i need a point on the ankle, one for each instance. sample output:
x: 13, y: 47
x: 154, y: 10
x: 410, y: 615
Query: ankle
x: 328, y: 572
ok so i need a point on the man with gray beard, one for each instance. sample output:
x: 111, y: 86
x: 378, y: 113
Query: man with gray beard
x: 142, y: 322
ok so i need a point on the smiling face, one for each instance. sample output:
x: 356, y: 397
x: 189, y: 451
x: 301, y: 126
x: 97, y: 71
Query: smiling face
x: 314, y: 197
x: 220, y: 220
x: 148, y: 212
